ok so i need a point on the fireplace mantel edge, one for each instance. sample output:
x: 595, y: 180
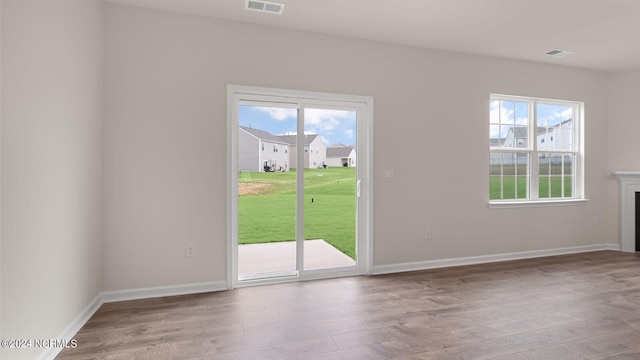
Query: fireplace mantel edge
x: 629, y: 184
x: 627, y: 175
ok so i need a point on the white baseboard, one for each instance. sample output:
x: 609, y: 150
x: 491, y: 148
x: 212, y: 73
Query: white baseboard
x: 434, y: 264
x: 612, y: 247
x: 172, y: 290
x: 122, y: 295
x: 146, y: 293
x: 73, y: 328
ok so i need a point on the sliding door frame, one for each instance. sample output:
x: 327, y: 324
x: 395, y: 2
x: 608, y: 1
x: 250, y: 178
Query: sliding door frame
x: 364, y: 105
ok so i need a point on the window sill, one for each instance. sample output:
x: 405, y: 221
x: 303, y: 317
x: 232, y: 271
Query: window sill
x: 536, y: 203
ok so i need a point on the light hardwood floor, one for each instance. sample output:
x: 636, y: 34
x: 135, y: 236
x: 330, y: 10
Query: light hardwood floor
x: 583, y: 306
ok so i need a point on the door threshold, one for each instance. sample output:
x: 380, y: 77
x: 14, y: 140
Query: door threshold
x: 268, y: 275
x: 287, y: 277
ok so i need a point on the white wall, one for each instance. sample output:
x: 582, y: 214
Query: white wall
x: 165, y: 142
x: 51, y: 165
x: 623, y: 147
x: 165, y: 149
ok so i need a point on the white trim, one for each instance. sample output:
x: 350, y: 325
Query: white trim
x: 535, y: 203
x: 232, y: 188
x: 300, y: 170
x: 629, y: 184
x: 364, y: 105
x: 627, y: 175
x: 70, y: 331
x: 533, y: 151
x: 367, y: 131
x: 123, y: 295
x: 307, y: 276
x: 160, y: 291
x: 293, y: 95
x: 473, y: 260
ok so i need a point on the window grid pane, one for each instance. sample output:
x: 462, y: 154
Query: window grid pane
x: 509, y: 176
x: 555, y: 124
x: 556, y: 175
x: 533, y: 139
x: 509, y: 124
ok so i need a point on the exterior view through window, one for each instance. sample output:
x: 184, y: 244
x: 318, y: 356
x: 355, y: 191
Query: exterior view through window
x: 268, y: 189
x: 535, y: 151
x: 299, y: 170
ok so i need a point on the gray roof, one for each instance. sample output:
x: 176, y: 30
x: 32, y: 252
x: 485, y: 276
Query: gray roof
x: 543, y: 129
x: 521, y: 132
x: 263, y: 135
x: 339, y: 152
x: 291, y: 139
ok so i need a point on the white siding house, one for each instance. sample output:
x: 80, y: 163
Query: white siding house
x: 258, y: 150
x: 341, y: 155
x: 315, y: 152
x: 517, y: 137
x: 558, y: 137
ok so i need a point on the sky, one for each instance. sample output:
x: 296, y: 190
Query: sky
x: 513, y: 112
x: 333, y: 126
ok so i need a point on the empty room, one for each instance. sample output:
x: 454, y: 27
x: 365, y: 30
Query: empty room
x: 297, y: 179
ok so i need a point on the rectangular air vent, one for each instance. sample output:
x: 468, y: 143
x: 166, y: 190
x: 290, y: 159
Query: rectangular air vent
x: 264, y: 6
x: 559, y: 53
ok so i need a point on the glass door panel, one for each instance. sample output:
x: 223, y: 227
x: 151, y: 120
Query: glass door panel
x: 295, y: 193
x: 266, y: 191
x: 330, y: 181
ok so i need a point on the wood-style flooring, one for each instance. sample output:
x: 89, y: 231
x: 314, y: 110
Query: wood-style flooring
x: 582, y: 306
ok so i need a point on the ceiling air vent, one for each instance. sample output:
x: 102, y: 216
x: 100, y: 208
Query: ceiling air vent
x: 559, y: 53
x: 264, y: 6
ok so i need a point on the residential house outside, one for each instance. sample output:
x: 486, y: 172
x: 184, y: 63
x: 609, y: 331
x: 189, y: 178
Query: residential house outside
x: 258, y: 151
x: 547, y: 138
x: 558, y: 137
x: 341, y: 155
x: 315, y: 152
x: 517, y: 137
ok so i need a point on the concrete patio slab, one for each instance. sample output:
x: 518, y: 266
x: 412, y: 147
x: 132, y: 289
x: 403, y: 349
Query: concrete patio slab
x: 281, y: 256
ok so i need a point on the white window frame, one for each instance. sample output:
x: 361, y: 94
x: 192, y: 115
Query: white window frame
x: 304, y: 99
x: 533, y: 198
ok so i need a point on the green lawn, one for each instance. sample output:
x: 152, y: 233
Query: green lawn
x: 329, y: 207
x: 547, y: 187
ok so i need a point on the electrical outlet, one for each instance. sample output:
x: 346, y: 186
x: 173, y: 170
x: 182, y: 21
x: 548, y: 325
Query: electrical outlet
x: 427, y: 234
x: 191, y: 250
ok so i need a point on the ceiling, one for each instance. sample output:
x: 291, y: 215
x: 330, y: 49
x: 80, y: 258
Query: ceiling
x: 603, y: 34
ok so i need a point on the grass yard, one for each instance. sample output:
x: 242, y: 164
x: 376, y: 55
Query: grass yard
x: 267, y: 207
x: 548, y: 187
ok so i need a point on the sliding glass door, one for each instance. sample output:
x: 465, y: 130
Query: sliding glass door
x: 296, y: 194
